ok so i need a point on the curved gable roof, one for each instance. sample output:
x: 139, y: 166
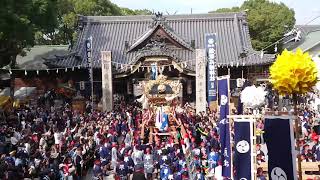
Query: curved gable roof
x: 112, y: 32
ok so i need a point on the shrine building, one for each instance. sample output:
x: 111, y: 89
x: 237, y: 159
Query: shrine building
x: 125, y: 49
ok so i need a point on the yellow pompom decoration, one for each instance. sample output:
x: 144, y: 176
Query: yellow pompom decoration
x: 293, y: 73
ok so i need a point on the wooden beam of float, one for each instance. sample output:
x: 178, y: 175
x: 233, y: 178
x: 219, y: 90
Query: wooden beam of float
x: 135, y: 67
x: 176, y: 66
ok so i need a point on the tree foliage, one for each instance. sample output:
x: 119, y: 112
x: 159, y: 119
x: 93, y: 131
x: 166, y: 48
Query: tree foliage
x: 268, y: 21
x: 27, y: 22
x: 68, y: 11
x: 20, y: 20
x: 127, y: 11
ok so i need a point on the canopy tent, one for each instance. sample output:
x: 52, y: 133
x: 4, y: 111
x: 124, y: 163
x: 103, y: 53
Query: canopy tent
x: 5, y: 92
x: 19, y: 95
x: 23, y: 92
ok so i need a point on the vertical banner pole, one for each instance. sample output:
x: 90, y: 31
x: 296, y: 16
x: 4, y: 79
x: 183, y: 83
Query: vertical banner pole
x: 280, y: 143
x: 296, y: 123
x: 212, y: 71
x: 253, y: 148
x: 229, y: 113
x: 244, y: 146
x: 91, y: 74
x: 224, y: 126
x: 90, y: 61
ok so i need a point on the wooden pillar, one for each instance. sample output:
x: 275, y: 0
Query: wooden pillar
x: 201, y: 103
x: 107, y: 94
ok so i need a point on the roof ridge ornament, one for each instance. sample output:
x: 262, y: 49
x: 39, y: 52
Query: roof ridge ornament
x: 159, y: 17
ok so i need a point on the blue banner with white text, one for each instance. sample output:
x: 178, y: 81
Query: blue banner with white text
x: 242, y: 156
x: 211, y: 47
x: 224, y: 129
x: 280, y: 144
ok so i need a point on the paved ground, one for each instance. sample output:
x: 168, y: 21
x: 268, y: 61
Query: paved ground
x: 89, y: 176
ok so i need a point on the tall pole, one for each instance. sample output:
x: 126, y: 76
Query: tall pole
x: 90, y: 61
x: 91, y: 75
x: 297, y: 130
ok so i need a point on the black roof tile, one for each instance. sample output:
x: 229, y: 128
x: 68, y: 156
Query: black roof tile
x: 110, y: 33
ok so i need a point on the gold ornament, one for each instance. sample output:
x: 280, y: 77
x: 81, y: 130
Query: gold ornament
x: 293, y: 73
x: 161, y: 88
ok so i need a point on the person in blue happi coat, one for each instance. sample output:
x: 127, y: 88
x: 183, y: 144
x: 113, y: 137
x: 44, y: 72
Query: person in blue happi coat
x: 164, y: 157
x: 180, y: 163
x: 121, y: 169
x: 165, y: 171
x: 104, y: 153
x: 213, y: 158
x: 316, y: 149
x: 128, y: 161
x: 199, y: 173
x: 97, y: 170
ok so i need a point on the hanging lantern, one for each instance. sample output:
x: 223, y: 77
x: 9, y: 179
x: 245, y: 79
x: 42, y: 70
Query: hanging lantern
x: 162, y: 69
x: 25, y: 72
x: 57, y: 71
x: 240, y: 82
x: 37, y: 72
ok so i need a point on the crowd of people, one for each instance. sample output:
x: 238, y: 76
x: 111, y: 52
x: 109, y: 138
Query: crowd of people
x: 63, y: 144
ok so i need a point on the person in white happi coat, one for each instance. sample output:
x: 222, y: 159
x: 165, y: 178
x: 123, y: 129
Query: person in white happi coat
x: 114, y: 156
x: 128, y: 140
x: 137, y: 155
x: 148, y: 163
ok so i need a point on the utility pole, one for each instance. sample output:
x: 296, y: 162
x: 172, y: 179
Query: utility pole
x: 90, y: 61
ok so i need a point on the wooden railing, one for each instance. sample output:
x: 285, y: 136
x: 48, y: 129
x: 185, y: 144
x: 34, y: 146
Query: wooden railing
x: 307, y: 169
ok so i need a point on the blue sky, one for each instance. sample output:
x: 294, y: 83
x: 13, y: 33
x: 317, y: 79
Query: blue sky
x: 305, y: 9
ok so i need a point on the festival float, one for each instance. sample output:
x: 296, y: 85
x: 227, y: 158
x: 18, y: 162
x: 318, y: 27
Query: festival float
x: 159, y: 101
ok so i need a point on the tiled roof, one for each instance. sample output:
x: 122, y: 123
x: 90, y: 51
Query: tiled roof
x: 34, y: 58
x: 310, y: 37
x: 110, y: 33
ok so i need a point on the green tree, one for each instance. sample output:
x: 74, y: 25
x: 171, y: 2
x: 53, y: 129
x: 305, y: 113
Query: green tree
x: 268, y: 21
x: 20, y: 20
x: 67, y: 17
x: 127, y: 11
x: 68, y: 11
